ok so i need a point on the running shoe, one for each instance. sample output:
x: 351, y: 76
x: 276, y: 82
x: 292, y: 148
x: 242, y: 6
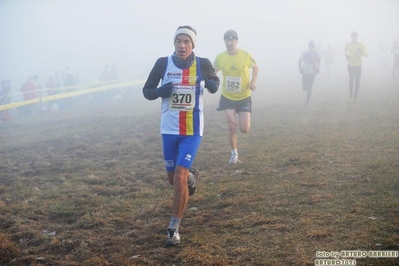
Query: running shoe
x: 173, y: 237
x: 191, y: 187
x: 234, y: 159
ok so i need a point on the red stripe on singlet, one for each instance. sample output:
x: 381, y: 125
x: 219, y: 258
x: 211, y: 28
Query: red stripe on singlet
x: 182, y: 115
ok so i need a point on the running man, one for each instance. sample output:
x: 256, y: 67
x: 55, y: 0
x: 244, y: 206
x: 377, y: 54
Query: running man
x: 395, y: 52
x: 354, y: 51
x: 329, y: 55
x: 183, y: 77
x: 309, y: 65
x: 237, y: 86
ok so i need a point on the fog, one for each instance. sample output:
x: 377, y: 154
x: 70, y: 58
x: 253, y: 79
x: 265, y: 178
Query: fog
x: 44, y: 36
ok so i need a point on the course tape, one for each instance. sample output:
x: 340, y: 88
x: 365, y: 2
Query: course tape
x: 62, y: 88
x: 71, y: 93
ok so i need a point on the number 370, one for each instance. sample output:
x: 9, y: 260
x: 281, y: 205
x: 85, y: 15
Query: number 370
x: 181, y: 98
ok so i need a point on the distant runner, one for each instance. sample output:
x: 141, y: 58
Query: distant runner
x: 309, y: 65
x: 354, y: 51
x: 329, y: 55
x: 395, y: 52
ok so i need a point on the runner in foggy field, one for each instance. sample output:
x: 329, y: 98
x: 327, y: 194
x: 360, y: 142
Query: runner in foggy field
x: 354, y: 51
x: 320, y: 50
x: 183, y: 78
x: 329, y: 55
x: 309, y: 65
x: 382, y: 57
x: 395, y: 52
x: 237, y: 86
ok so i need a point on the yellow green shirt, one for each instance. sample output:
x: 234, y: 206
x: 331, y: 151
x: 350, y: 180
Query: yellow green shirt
x: 353, y: 54
x: 235, y: 70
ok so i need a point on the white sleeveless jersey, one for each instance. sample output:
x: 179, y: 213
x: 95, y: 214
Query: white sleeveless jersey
x: 182, y: 113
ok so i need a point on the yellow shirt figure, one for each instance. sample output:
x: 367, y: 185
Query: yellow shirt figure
x: 354, y: 52
x: 236, y: 77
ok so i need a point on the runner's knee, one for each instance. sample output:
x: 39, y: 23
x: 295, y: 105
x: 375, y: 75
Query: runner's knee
x: 180, y: 180
x: 245, y: 128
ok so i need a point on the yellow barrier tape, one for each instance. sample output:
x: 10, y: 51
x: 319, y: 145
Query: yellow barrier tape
x: 71, y: 94
x: 94, y: 83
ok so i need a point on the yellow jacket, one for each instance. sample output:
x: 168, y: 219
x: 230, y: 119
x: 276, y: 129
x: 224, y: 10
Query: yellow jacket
x: 354, y: 51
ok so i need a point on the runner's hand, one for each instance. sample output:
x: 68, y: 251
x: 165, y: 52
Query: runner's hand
x: 165, y: 91
x: 211, y: 85
x: 252, y: 86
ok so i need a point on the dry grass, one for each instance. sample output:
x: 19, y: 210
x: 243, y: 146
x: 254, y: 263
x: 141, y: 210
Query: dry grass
x: 86, y: 186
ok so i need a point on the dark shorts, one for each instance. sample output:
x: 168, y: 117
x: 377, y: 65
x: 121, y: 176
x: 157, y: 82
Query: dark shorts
x: 355, y: 71
x: 244, y: 105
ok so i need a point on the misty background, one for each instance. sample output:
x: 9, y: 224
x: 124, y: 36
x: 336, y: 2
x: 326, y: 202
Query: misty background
x: 41, y: 37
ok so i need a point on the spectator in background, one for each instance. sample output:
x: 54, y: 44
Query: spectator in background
x: 1, y: 100
x: 57, y: 80
x: 104, y: 74
x: 105, y: 94
x: 113, y: 73
x: 68, y: 82
x: 395, y: 52
x: 50, y: 85
x: 1, y: 103
x: 76, y: 79
x: 29, y: 90
x: 38, y: 87
x: 5, y: 92
x: 5, y: 89
x: 3, y: 84
x: 68, y: 78
x: 36, y: 81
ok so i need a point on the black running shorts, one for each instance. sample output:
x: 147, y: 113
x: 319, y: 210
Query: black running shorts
x: 244, y: 105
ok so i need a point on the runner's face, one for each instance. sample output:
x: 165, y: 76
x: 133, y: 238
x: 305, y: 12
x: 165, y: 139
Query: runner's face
x: 354, y: 38
x: 231, y: 45
x: 183, y: 46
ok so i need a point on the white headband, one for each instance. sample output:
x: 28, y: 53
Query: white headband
x: 188, y: 32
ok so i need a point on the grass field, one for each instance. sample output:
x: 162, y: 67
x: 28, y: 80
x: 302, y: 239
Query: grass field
x: 87, y: 186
